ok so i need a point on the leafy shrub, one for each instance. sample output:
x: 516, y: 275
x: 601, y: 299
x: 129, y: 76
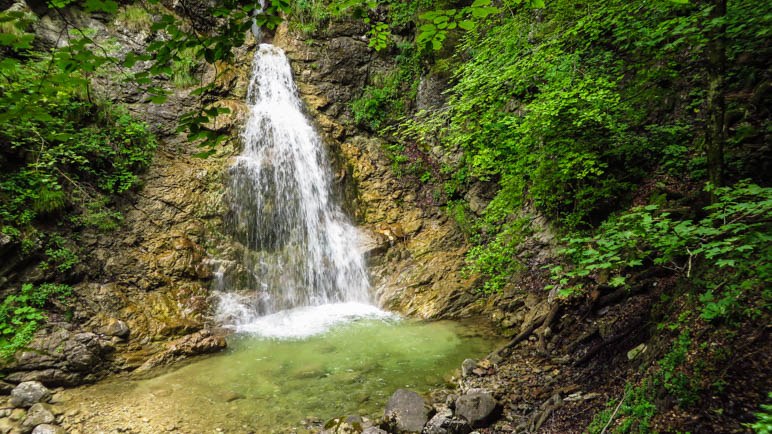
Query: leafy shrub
x: 731, y: 240
x: 634, y: 414
x: 764, y: 423
x: 21, y: 314
x: 65, y: 149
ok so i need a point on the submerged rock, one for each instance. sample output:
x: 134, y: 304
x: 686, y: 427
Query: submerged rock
x: 476, y: 407
x: 29, y: 393
x: 406, y: 411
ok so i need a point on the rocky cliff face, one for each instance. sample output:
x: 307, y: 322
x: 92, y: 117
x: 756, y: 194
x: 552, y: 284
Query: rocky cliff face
x: 146, y: 286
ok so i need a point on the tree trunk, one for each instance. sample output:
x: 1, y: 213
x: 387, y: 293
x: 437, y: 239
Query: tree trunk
x: 715, y: 136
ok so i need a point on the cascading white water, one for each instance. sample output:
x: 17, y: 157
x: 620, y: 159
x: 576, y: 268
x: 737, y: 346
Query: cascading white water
x: 300, y: 249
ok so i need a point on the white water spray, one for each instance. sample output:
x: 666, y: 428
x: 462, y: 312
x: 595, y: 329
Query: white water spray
x: 300, y: 249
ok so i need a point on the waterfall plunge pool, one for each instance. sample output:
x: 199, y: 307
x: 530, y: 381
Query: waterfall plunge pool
x: 279, y: 384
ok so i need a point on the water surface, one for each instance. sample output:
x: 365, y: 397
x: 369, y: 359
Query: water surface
x: 267, y: 385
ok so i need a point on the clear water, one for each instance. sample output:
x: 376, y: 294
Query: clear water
x: 267, y: 385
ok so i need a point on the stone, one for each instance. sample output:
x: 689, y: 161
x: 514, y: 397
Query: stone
x: 5, y: 388
x: 407, y: 412
x: 17, y: 415
x: 47, y: 428
x: 635, y: 352
x: 374, y: 430
x: 201, y: 342
x: 6, y: 425
x: 467, y: 366
x: 38, y: 414
x: 116, y: 327
x: 28, y: 393
x: 476, y: 407
x: 443, y: 422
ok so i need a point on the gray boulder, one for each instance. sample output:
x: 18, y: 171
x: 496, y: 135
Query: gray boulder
x: 374, y: 430
x: 28, y: 393
x: 38, y: 414
x: 444, y: 423
x: 406, y: 411
x: 476, y: 407
x: 48, y: 429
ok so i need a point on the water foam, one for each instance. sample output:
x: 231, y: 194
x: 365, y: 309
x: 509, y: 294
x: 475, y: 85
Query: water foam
x: 307, y: 321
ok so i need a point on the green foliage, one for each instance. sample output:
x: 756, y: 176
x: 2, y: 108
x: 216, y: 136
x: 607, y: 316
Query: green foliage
x: 387, y: 99
x: 64, y: 148
x: 22, y: 313
x: 633, y: 416
x: 498, y: 260
x: 134, y: 17
x: 763, y: 424
x: 730, y: 245
x: 682, y: 385
x: 58, y: 255
x: 183, y: 68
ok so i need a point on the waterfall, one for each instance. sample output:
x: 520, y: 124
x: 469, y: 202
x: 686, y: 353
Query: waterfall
x: 299, y: 248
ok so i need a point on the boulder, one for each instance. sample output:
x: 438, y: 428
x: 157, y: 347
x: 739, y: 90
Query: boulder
x: 467, y: 366
x: 374, y: 430
x: 48, y: 429
x: 477, y: 408
x: 117, y: 328
x: 406, y: 411
x: 38, y: 414
x: 444, y: 423
x: 29, y: 393
x: 201, y: 342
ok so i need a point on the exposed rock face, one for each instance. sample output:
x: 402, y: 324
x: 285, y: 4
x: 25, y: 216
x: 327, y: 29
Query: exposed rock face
x: 148, y: 282
x: 406, y: 411
x: 29, y: 393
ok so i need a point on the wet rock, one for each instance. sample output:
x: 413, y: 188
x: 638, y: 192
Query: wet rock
x: 48, y: 429
x: 38, y: 414
x: 476, y: 407
x: 29, y: 393
x: 406, y: 411
x: 202, y: 342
